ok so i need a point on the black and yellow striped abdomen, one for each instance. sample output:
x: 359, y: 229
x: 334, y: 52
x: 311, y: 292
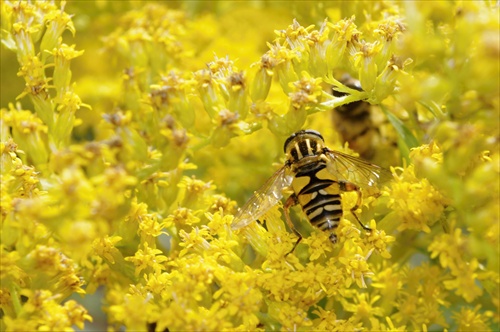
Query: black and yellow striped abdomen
x: 319, y: 195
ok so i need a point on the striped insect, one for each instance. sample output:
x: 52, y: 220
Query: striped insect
x: 316, y: 176
x: 360, y: 124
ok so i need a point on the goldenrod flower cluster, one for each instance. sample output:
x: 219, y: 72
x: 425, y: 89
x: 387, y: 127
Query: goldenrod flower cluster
x: 124, y: 179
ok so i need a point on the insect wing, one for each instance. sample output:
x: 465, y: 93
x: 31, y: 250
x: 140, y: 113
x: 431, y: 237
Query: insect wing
x: 363, y: 174
x: 263, y: 199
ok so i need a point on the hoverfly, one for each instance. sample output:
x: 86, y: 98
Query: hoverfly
x: 317, y: 176
x: 358, y: 123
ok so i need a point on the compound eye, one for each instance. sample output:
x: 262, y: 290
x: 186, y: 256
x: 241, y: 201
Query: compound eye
x: 289, y: 139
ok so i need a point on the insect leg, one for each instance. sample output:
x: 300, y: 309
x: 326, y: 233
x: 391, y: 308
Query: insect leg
x: 291, y: 201
x: 349, y: 186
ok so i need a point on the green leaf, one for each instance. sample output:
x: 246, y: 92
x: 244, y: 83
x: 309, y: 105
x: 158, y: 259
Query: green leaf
x: 406, y: 139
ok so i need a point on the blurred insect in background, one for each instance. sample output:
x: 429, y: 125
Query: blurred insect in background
x: 316, y: 176
x: 359, y: 123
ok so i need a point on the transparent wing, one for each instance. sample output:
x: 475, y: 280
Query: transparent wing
x: 263, y: 199
x: 367, y: 176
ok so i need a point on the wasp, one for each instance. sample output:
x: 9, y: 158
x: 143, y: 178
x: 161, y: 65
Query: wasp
x: 316, y: 177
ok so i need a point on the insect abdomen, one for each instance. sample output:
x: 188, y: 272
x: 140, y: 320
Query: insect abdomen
x: 319, y: 197
x: 324, y: 210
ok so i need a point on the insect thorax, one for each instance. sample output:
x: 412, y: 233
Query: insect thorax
x: 304, y: 147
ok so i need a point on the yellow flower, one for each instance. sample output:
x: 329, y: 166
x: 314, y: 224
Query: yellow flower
x: 43, y: 312
x: 222, y: 204
x: 432, y: 151
x: 289, y: 316
x: 282, y: 59
x: 465, y: 284
x: 306, y: 91
x: 475, y: 319
x: 56, y: 272
x: 194, y: 240
x: 123, y: 308
x: 319, y: 245
x: 62, y: 72
x: 183, y: 217
x: 28, y: 131
x: 149, y: 226
x: 160, y: 285
x: 424, y: 297
x: 57, y: 21
x: 105, y: 248
x: 344, y: 32
x: 148, y: 259
x: 11, y: 272
x: 356, y: 268
x: 363, y: 307
x: 379, y: 240
x: 261, y: 83
x: 238, y: 296
x: 193, y: 190
x: 77, y: 314
x: 415, y: 202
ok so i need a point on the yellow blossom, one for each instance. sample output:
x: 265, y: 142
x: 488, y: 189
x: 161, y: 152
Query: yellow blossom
x: 127, y: 311
x: 149, y: 259
x: 44, y: 312
x: 417, y: 204
x: 10, y: 270
x: 263, y: 78
x: 469, y: 319
x: 357, y: 268
x: 289, y: 316
x: 364, y: 308
x: 464, y: 272
x: 319, y: 245
x: 106, y: 249
x: 379, y: 240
